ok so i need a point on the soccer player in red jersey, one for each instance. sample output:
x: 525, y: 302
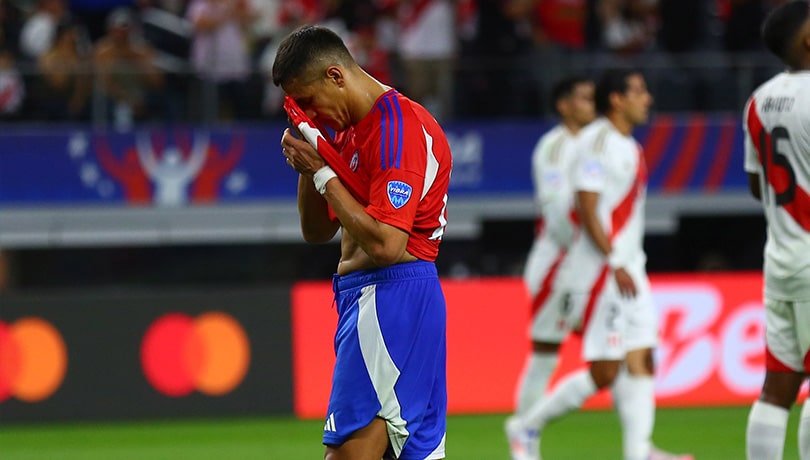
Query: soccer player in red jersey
x: 389, y: 394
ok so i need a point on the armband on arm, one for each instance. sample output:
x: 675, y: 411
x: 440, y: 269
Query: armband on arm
x: 321, y: 177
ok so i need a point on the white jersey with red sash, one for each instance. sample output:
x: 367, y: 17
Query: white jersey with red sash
x: 552, y: 162
x: 611, y: 164
x: 777, y: 148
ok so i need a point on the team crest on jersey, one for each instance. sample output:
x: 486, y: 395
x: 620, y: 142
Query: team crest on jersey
x: 355, y: 161
x: 399, y: 193
x: 594, y: 168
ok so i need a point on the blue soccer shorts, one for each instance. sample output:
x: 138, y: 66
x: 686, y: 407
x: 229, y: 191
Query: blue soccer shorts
x: 391, y: 358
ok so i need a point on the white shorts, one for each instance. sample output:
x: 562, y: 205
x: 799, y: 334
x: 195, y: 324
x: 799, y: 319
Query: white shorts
x: 549, y: 305
x: 610, y: 324
x: 787, y: 335
x: 551, y: 322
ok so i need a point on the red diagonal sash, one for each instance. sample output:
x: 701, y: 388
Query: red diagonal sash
x: 315, y: 136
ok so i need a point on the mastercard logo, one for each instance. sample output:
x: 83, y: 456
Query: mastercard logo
x: 33, y: 359
x: 181, y: 354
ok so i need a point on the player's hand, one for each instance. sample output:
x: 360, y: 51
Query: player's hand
x: 296, y: 132
x: 300, y: 155
x: 627, y: 288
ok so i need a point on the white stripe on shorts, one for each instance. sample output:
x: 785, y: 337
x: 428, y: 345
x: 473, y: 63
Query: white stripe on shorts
x: 381, y: 368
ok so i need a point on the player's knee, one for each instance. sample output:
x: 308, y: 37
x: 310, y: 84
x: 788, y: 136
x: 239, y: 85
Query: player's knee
x: 640, y: 362
x: 781, y: 388
x: 545, y: 347
x: 330, y: 454
x: 604, y: 373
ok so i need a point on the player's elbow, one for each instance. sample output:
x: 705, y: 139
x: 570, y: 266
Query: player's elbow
x: 315, y: 237
x: 317, y: 234
x: 754, y: 186
x: 318, y: 230
x: 312, y: 238
x: 386, y: 246
x: 383, y: 255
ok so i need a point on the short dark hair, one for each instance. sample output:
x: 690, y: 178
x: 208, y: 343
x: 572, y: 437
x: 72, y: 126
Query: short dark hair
x: 304, y: 48
x: 565, y: 88
x: 611, y: 81
x: 780, y: 27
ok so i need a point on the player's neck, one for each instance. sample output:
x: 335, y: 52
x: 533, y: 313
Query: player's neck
x: 620, y: 123
x: 365, y: 95
x: 572, y: 126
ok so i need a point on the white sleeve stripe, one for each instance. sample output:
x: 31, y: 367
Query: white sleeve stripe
x: 431, y: 166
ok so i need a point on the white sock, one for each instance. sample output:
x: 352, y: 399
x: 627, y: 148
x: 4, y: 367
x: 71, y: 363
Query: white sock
x: 765, y: 434
x: 534, y: 382
x: 634, y: 399
x: 570, y: 394
x: 804, y: 431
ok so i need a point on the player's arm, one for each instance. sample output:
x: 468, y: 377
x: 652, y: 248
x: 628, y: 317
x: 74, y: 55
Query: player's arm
x: 589, y: 219
x: 555, y: 205
x: 383, y: 243
x: 586, y: 210
x: 313, y: 212
x: 754, y: 185
x: 317, y: 226
x: 751, y: 158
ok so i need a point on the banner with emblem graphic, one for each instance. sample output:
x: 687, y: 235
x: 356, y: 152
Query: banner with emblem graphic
x: 200, y: 165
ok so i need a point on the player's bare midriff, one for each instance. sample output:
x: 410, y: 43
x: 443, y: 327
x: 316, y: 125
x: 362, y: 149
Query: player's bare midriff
x: 353, y: 258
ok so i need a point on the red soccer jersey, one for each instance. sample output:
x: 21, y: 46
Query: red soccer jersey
x: 401, y: 152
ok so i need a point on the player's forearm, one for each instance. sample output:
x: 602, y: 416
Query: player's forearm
x: 595, y: 231
x: 316, y: 226
x: 586, y: 211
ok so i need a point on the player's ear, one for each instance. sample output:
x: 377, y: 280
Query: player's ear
x: 561, y: 106
x: 336, y: 74
x: 615, y: 98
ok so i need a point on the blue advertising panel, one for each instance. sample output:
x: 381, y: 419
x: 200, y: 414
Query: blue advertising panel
x: 199, y: 165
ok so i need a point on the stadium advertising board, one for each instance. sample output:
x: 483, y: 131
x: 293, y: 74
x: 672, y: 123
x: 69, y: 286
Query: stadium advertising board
x: 135, y: 354
x: 711, y: 342
x: 238, y: 164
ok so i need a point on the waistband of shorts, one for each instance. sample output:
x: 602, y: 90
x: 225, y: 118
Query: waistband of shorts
x: 407, y: 270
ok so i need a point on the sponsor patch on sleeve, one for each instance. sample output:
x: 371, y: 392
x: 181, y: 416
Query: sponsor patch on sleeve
x: 399, y: 193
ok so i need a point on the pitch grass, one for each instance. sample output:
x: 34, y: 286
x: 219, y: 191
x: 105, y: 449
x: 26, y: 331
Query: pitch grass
x: 710, y: 434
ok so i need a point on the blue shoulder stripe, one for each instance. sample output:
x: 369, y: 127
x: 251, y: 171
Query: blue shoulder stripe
x: 382, y: 137
x: 399, y: 128
x: 390, y: 129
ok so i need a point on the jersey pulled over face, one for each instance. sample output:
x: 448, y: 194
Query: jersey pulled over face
x: 777, y: 148
x: 402, y: 153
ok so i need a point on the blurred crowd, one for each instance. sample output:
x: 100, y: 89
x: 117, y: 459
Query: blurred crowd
x: 118, y: 62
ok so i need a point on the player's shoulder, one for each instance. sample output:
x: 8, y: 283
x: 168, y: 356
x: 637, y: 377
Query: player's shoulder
x: 794, y: 83
x: 785, y: 92
x: 554, y: 136
x: 395, y: 115
x: 596, y: 135
x: 409, y: 115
